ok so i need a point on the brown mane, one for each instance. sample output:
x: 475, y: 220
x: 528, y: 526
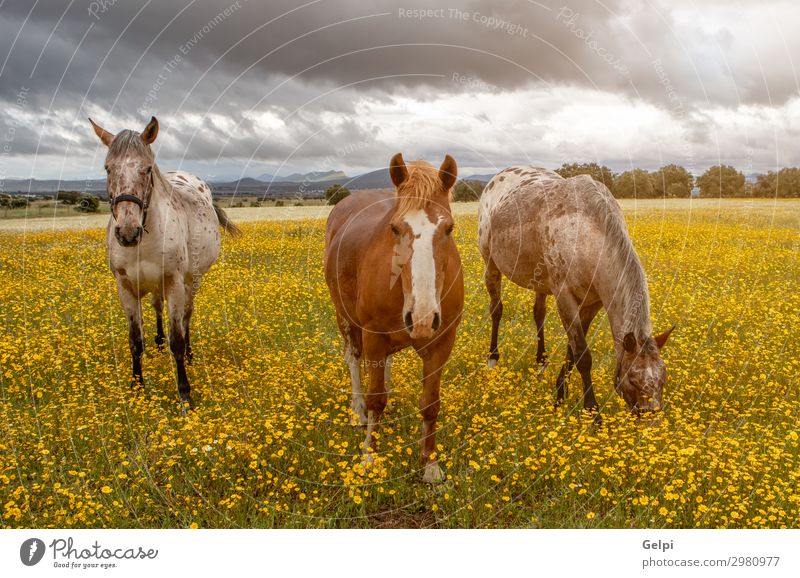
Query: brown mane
x: 422, y: 187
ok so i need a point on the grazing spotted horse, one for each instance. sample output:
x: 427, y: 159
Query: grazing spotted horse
x: 162, y: 237
x: 567, y: 237
x: 395, y: 279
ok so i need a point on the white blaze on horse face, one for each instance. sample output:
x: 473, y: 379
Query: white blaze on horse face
x: 423, y: 266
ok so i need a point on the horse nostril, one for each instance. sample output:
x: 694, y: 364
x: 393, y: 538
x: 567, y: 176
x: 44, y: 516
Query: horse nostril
x: 436, y: 321
x: 409, y: 321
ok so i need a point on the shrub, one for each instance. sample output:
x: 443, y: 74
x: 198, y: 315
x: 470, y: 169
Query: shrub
x: 336, y: 193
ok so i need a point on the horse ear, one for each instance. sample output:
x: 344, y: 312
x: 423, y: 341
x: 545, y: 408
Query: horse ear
x: 398, y: 170
x: 662, y: 338
x: 629, y: 342
x: 102, y: 133
x: 448, y: 172
x: 150, y: 132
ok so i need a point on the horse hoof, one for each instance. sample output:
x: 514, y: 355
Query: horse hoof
x: 186, y: 404
x: 492, y: 363
x: 433, y: 473
x: 596, y: 417
x: 367, y: 460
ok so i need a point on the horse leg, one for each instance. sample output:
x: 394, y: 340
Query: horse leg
x: 133, y: 313
x: 494, y: 285
x: 375, y: 355
x: 352, y: 356
x: 176, y: 306
x: 387, y: 374
x: 187, y: 318
x: 583, y: 359
x: 353, y: 359
x: 539, y: 313
x: 568, y: 311
x: 157, y: 301
x: 563, y: 375
x: 429, y: 403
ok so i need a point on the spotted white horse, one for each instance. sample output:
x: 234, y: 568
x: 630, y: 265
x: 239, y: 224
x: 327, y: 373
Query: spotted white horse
x: 162, y: 237
x: 568, y: 238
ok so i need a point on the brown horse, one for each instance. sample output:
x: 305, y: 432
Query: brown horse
x: 395, y: 278
x: 567, y: 237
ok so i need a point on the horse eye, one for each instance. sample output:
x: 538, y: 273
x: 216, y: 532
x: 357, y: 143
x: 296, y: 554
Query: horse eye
x: 395, y: 230
x: 449, y: 230
x: 106, y: 168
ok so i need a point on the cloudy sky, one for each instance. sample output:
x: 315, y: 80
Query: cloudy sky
x: 246, y: 87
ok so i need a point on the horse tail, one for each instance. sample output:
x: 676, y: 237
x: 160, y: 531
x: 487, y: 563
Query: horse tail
x: 227, y: 225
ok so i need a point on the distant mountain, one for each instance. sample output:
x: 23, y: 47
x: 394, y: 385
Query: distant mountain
x: 373, y: 180
x: 311, y: 184
x: 312, y: 177
x: 35, y: 186
x: 482, y: 178
x: 246, y: 182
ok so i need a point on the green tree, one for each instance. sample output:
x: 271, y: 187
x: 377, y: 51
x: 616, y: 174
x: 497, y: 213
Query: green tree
x: 69, y: 197
x: 88, y: 204
x: 635, y: 184
x: 721, y: 181
x: 766, y: 185
x: 600, y: 173
x: 784, y: 183
x: 336, y: 193
x: 672, y: 181
x: 466, y: 191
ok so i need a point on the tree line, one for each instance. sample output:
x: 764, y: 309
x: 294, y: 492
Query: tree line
x: 674, y: 181
x: 670, y: 181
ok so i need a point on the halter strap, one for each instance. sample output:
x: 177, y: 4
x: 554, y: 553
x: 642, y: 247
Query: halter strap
x: 143, y: 204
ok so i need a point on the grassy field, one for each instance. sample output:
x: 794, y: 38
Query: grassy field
x: 271, y: 445
x: 49, y: 214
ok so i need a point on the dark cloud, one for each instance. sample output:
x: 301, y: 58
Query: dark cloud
x: 197, y: 63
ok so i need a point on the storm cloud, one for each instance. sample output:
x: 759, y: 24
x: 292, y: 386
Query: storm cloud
x: 243, y: 87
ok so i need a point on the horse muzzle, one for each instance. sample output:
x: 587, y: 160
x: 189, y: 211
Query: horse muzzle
x: 423, y: 326
x: 128, y: 236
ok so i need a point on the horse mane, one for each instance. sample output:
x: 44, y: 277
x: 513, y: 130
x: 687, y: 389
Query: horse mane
x: 129, y: 142
x: 632, y: 290
x: 422, y: 187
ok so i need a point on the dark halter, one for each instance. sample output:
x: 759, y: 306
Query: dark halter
x: 143, y: 204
